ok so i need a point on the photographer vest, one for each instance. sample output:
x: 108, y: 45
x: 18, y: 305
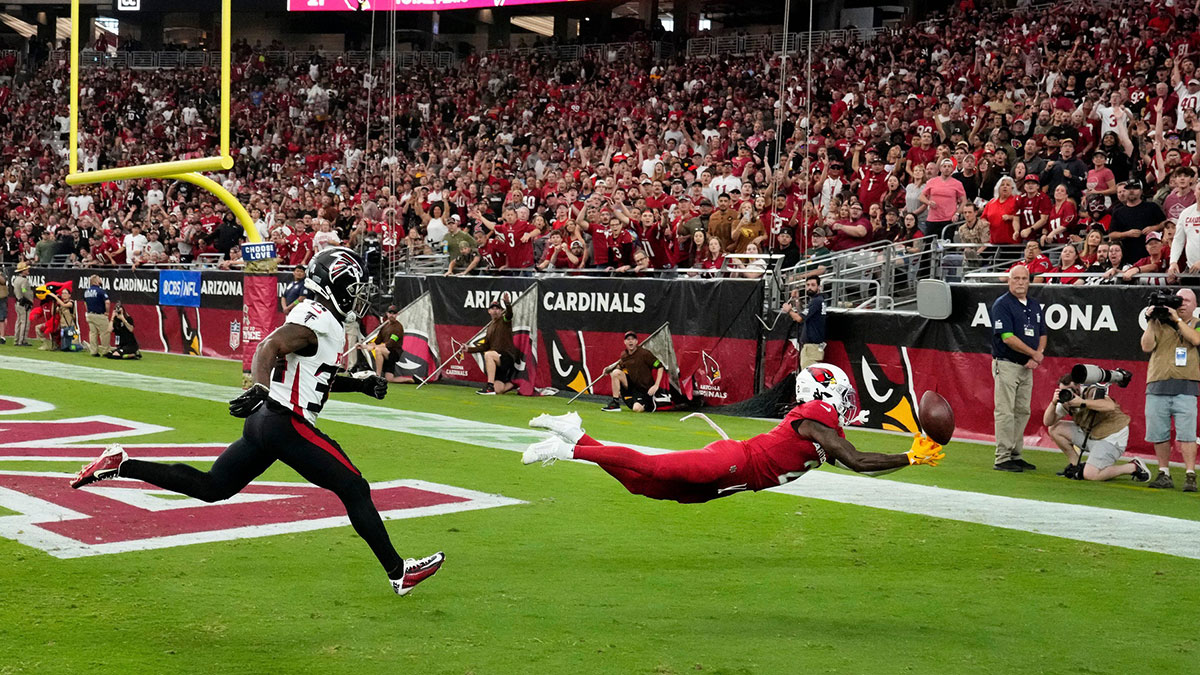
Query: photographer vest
x: 1162, y: 360
x: 1100, y: 424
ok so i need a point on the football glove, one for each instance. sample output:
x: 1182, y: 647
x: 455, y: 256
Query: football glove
x: 376, y: 386
x: 925, y: 451
x: 249, y: 401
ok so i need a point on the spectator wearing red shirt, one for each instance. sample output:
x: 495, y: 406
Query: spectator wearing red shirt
x: 1063, y: 224
x: 1035, y: 261
x: 1069, y: 262
x: 490, y: 252
x: 300, y: 245
x: 851, y: 232
x: 874, y: 183
x: 779, y: 217
x: 1001, y: 214
x: 1033, y: 206
x: 518, y: 235
x: 1154, y: 262
x: 921, y: 154
x: 617, y: 242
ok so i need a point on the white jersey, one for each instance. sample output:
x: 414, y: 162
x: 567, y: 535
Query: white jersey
x: 301, y: 382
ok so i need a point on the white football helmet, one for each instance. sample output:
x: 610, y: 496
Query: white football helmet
x: 827, y: 382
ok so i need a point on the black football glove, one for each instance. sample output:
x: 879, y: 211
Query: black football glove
x: 249, y: 401
x: 374, y: 385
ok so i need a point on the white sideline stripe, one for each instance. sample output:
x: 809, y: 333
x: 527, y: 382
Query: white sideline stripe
x: 1114, y: 527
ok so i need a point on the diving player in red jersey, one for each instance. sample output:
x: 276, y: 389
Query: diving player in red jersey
x: 810, y: 435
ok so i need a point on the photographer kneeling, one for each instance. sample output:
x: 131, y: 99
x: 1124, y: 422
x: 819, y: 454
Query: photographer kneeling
x: 1097, y: 426
x: 1172, y: 381
x: 122, y: 328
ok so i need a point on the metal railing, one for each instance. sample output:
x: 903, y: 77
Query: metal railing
x: 775, y: 42
x: 610, y: 51
x: 146, y: 60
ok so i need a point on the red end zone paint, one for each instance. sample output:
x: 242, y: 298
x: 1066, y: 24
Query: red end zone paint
x: 108, y: 519
x: 120, y: 516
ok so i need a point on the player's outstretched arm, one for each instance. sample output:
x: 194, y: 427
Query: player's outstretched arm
x: 371, y: 385
x: 840, y: 452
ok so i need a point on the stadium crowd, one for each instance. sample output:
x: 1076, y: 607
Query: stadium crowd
x: 991, y: 126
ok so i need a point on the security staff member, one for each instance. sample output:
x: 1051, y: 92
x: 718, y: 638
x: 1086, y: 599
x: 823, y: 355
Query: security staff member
x: 99, y: 317
x: 811, y: 322
x: 1172, y: 385
x: 636, y: 377
x: 1018, y: 348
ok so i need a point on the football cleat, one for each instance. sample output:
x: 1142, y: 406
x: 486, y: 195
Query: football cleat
x: 548, y: 451
x: 105, y: 467
x: 1140, y: 473
x: 416, y: 571
x: 567, y: 427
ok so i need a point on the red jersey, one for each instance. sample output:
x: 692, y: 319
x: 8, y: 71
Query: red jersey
x: 301, y: 248
x: 780, y: 456
x: 519, y: 253
x: 492, y: 253
x: 871, y: 190
x: 1038, y: 265
x: 1032, y: 208
x: 658, y: 243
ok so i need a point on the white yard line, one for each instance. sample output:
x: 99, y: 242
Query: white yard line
x: 1113, y: 527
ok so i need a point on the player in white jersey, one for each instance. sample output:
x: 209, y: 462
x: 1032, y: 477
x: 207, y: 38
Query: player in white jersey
x: 294, y: 370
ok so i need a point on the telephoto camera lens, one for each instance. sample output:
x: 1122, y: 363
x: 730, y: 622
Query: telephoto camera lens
x: 1085, y: 373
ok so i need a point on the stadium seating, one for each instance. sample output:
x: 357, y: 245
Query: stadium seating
x: 328, y: 140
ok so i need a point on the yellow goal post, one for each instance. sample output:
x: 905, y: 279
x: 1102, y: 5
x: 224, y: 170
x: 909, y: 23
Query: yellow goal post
x: 188, y: 170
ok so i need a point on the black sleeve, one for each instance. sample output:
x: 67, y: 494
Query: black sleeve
x: 342, y: 383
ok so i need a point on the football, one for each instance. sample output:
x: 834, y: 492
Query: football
x: 937, y: 417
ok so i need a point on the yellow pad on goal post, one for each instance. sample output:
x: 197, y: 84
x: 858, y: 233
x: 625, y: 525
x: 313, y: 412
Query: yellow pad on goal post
x: 187, y: 170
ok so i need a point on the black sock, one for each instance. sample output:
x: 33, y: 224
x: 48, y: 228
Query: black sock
x: 398, y: 572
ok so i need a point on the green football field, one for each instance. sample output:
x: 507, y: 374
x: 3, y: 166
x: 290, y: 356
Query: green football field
x: 582, y: 577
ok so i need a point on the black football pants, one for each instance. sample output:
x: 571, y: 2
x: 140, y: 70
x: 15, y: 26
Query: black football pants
x: 272, y: 433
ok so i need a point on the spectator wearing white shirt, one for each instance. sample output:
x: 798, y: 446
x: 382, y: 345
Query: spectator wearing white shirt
x: 1186, y: 240
x: 154, y: 196
x: 325, y: 237
x: 1108, y: 114
x: 135, y: 241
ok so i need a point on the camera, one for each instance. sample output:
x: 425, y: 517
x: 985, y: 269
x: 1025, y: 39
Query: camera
x: 1087, y: 374
x: 1065, y: 396
x: 1160, y: 300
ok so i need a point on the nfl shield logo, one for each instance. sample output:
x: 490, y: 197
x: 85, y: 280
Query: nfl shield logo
x: 235, y: 334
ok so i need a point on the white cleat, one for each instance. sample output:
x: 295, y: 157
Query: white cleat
x: 548, y: 451
x: 567, y: 427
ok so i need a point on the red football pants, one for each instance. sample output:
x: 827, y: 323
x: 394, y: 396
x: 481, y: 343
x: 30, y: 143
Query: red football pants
x: 688, y: 477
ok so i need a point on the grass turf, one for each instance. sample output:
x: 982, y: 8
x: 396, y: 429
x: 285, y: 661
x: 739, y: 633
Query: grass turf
x: 585, y: 577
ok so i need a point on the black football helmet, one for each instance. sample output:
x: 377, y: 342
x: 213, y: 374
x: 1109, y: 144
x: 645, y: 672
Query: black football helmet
x: 338, y: 275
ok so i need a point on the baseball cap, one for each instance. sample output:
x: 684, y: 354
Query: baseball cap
x: 495, y: 305
x: 1193, y: 81
x: 1133, y: 184
x: 392, y: 309
x: 1032, y: 178
x: 629, y: 333
x: 1154, y: 236
x: 820, y: 232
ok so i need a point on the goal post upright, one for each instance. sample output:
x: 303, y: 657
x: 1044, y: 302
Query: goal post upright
x: 188, y: 170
